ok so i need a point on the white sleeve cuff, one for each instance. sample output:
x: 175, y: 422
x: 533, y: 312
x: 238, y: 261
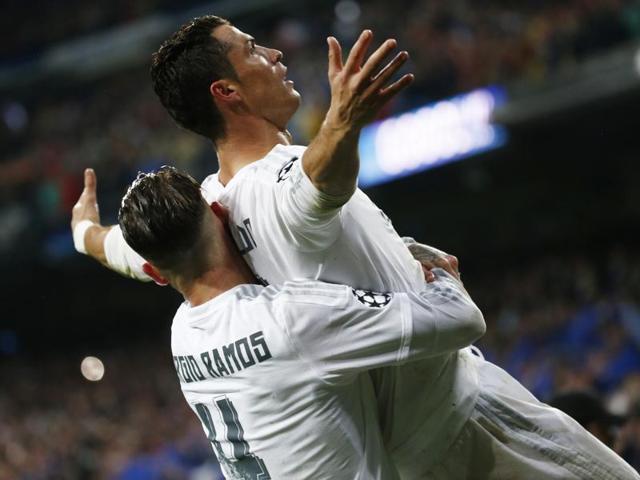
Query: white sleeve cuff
x: 311, y: 197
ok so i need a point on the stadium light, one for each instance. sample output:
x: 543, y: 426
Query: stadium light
x: 430, y: 135
x: 92, y: 369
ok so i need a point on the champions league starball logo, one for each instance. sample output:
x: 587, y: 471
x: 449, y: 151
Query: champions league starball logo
x: 283, y: 174
x: 372, y: 299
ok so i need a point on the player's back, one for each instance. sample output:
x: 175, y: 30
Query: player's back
x: 264, y: 407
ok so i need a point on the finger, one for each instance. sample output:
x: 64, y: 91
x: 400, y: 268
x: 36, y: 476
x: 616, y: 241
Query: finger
x: 444, y: 264
x: 453, y: 260
x: 394, y: 88
x: 427, y: 264
x: 90, y: 182
x: 386, y: 73
x: 373, y: 62
x: 335, y: 56
x: 428, y: 274
x: 392, y: 67
x: 359, y: 50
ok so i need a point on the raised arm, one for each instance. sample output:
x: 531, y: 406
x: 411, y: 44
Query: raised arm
x: 359, y: 89
x: 103, y: 243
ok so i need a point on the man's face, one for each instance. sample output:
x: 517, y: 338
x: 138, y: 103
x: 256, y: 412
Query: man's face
x: 263, y: 85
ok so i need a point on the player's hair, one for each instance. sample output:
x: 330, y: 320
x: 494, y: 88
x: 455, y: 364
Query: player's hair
x: 182, y: 70
x: 161, y: 218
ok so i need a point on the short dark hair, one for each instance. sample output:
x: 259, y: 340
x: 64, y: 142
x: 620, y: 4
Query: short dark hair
x: 182, y: 70
x: 161, y: 218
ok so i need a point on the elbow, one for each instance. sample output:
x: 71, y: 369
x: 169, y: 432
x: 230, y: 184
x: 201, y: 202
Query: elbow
x: 475, y: 326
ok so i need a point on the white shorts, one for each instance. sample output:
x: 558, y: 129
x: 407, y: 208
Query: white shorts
x: 511, y: 435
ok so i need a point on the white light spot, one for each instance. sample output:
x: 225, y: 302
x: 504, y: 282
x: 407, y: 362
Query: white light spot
x: 637, y: 62
x: 347, y: 11
x: 92, y: 369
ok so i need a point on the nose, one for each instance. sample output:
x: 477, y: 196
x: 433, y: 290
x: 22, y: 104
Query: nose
x: 276, y: 55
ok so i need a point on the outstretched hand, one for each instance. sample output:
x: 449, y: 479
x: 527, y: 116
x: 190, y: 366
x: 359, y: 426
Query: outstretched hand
x: 86, y: 208
x: 360, y: 88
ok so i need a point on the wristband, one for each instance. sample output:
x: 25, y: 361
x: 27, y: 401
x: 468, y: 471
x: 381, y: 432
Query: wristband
x: 78, y: 235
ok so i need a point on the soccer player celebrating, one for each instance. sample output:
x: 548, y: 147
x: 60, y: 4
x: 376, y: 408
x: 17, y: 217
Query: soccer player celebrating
x: 296, y: 213
x: 273, y: 373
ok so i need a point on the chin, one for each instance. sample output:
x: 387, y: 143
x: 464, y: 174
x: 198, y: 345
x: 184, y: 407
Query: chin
x: 293, y: 104
x: 287, y: 106
x: 296, y: 98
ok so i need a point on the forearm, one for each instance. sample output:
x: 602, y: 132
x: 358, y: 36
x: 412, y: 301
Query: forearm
x: 331, y: 161
x: 107, y: 245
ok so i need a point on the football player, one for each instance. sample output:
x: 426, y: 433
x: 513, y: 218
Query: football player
x: 296, y: 213
x: 275, y: 373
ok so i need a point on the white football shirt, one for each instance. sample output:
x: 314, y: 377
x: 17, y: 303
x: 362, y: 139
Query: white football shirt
x: 274, y: 373
x: 288, y: 230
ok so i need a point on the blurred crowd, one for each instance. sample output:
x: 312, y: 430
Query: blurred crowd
x: 559, y: 324
x: 66, y: 20
x: 117, y: 126
x: 131, y: 425
x: 567, y: 323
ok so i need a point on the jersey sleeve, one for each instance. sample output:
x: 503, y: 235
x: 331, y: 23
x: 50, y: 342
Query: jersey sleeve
x: 311, y: 215
x: 122, y: 258
x: 444, y: 317
x: 343, y: 331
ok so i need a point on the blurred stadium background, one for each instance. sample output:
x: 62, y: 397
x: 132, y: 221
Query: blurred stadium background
x: 541, y: 205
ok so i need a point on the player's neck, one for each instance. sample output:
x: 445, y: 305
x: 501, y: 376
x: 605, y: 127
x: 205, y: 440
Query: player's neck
x: 213, y: 284
x: 246, y: 143
x: 232, y: 272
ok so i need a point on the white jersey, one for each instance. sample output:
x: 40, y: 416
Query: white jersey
x: 285, y: 235
x: 273, y: 373
x: 285, y: 231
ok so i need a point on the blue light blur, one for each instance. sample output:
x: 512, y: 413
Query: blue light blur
x: 431, y: 135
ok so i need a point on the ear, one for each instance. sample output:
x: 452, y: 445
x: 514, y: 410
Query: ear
x: 224, y: 91
x: 154, y: 274
x: 221, y: 212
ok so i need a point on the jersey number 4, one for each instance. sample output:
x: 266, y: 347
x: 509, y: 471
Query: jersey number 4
x: 241, y: 464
